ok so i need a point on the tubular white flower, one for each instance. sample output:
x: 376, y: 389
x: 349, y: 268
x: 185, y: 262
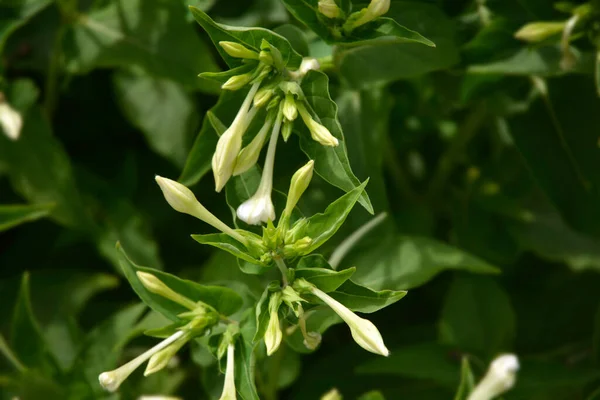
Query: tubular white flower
x: 160, y: 360
x: 10, y: 119
x: 501, y: 377
x: 229, y: 392
x: 317, y: 131
x: 111, y: 380
x: 183, y: 200
x: 230, y: 142
x: 364, y: 332
x: 259, y: 208
x: 156, y: 286
x: 249, y: 154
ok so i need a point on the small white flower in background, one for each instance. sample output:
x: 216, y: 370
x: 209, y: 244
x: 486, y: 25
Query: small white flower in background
x: 309, y: 63
x: 317, y: 131
x: 183, y: 200
x: 329, y: 9
x: 259, y: 208
x: 229, y: 392
x: 10, y: 119
x: 364, y: 332
x: 230, y: 142
x: 500, y: 377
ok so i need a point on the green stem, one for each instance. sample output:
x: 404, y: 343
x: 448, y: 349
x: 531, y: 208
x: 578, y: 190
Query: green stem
x: 283, y: 269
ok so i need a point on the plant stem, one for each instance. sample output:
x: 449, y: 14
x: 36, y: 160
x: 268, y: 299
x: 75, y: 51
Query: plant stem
x: 283, y: 269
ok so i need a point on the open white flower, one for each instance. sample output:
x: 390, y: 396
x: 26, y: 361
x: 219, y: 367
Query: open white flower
x: 259, y: 208
x: 364, y: 332
x: 10, y: 119
x: 229, y: 392
x: 317, y: 131
x: 501, y: 377
x: 230, y: 142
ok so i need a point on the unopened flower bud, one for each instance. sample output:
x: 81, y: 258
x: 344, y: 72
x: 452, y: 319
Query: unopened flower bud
x: 290, y: 112
x: 238, y: 50
x: 10, y: 119
x: 375, y: 9
x: 249, y: 155
x: 538, y: 31
x: 265, y: 57
x: 501, y: 377
x: 300, y: 181
x: 263, y: 96
x: 156, y: 286
x: 333, y: 394
x: 161, y: 359
x: 317, y: 131
x: 329, y: 9
x: 287, y: 129
x: 237, y: 82
x: 273, y: 335
x: 229, y: 392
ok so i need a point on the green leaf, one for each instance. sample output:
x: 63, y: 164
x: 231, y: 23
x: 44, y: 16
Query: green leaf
x: 148, y: 34
x: 373, y: 395
x: 15, y: 14
x: 40, y: 171
x: 295, y: 36
x: 162, y: 109
x: 13, y: 215
x: 223, y: 76
x: 262, y: 311
x: 27, y: 341
x: 386, y: 60
x: 477, y: 316
x: 467, y: 380
x: 321, y: 227
x: 250, y: 37
x: 362, y: 299
x: 385, y: 29
x: 405, y: 262
x: 331, y: 163
x: 227, y: 243
x: 428, y: 361
x: 327, y: 280
x: 224, y: 300
x: 245, y: 362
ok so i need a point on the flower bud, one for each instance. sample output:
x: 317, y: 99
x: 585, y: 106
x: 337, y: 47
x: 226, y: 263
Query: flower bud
x: 183, y: 200
x: 10, y: 119
x: 286, y: 131
x: 333, y: 394
x: 237, y: 82
x: 363, y: 331
x: 257, y: 209
x: 329, y: 9
x: 248, y: 156
x: 375, y: 9
x: 317, y: 131
x: 273, y: 335
x: 156, y: 286
x: 238, y: 50
x: 265, y: 57
x: 300, y: 181
x: 290, y: 112
x: 229, y: 392
x: 538, y: 31
x: 263, y: 96
x: 501, y: 377
x: 161, y: 359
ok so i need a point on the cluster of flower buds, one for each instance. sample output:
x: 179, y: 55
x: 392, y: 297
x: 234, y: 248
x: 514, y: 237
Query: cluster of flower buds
x: 197, y: 321
x: 375, y: 9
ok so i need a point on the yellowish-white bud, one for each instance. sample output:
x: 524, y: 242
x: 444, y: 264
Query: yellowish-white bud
x: 364, y: 332
x: 249, y: 154
x: 329, y: 9
x: 376, y: 9
x: 229, y: 392
x: 300, y: 181
x: 111, y: 380
x: 158, y: 397
x: 183, y: 200
x: 238, y: 50
x: 10, y: 119
x: 290, y: 112
x: 263, y: 96
x: 317, y: 131
x: 237, y: 82
x: 538, y: 31
x: 500, y: 377
x: 273, y: 335
x: 230, y: 142
x: 161, y: 359
x: 333, y: 394
x: 156, y: 286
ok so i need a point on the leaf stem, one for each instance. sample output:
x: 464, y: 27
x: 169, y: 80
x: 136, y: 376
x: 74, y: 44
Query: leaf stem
x: 283, y: 269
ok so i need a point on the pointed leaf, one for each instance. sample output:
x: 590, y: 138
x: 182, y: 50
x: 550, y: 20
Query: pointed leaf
x: 227, y: 243
x: 327, y: 280
x: 362, y: 299
x: 13, y: 215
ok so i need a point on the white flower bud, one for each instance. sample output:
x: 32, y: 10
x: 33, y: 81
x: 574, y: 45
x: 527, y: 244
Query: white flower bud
x: 317, y: 131
x: 364, y: 332
x: 249, y: 155
x: 230, y: 142
x: 229, y: 392
x: 333, y: 394
x: 161, y: 359
x: 538, y: 31
x: 375, y: 9
x: 300, y: 181
x: 501, y: 377
x: 10, y: 119
x: 237, y: 82
x: 329, y: 9
x: 156, y: 286
x: 183, y: 200
x: 111, y: 380
x: 309, y: 63
x: 290, y: 112
x: 263, y: 96
x: 273, y: 335
x: 238, y: 50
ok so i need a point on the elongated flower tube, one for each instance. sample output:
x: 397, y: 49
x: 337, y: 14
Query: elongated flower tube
x: 229, y: 392
x: 317, y: 131
x: 259, y: 208
x: 364, y: 332
x: 501, y: 377
x: 156, y: 286
x: 111, y: 380
x: 249, y: 154
x: 10, y: 119
x: 183, y: 200
x: 160, y: 360
x: 230, y: 142
x: 238, y: 50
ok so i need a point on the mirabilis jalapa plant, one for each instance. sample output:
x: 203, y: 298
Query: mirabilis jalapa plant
x: 287, y: 93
